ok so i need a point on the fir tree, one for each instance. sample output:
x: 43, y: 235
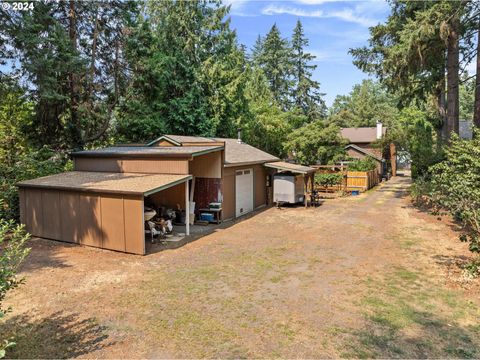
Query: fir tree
x: 306, y: 92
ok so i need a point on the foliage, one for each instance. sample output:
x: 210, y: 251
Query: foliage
x: 306, y: 92
x: 13, y: 252
x: 366, y: 164
x: 187, y: 73
x: 366, y: 104
x: 328, y: 179
x: 467, y: 97
x: 15, y: 114
x: 455, y: 187
x: 316, y: 143
x: 28, y: 165
x: 273, y: 55
x: 417, y: 137
x: 70, y: 56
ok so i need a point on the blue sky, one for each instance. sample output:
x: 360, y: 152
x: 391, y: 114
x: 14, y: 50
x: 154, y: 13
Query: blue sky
x: 332, y: 27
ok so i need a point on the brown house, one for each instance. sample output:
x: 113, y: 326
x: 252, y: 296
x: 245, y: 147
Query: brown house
x: 101, y: 203
x: 362, y: 143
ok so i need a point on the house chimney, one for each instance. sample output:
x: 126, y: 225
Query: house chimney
x: 239, y: 135
x: 379, y: 130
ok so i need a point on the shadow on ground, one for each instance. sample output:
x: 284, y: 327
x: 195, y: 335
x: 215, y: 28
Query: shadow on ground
x: 58, y: 336
x: 428, y: 336
x: 44, y: 254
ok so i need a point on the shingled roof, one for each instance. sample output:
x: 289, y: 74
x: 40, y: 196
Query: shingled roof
x: 361, y: 134
x: 236, y: 153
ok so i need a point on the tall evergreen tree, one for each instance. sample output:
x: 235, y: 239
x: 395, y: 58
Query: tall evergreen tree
x: 187, y: 70
x: 415, y: 48
x: 69, y: 53
x: 306, y: 92
x: 273, y: 56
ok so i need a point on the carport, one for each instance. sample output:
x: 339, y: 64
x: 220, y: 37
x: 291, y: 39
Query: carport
x: 100, y: 209
x: 307, y: 172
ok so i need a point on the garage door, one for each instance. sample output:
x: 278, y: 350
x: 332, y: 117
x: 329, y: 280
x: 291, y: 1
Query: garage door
x: 243, y: 192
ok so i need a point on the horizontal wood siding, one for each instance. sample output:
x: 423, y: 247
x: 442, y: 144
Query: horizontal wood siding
x: 144, y: 166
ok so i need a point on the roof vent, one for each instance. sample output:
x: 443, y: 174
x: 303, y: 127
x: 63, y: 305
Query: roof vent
x: 239, y: 136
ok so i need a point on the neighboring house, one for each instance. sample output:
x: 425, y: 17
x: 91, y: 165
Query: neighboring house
x: 465, y: 129
x: 101, y: 203
x: 362, y: 144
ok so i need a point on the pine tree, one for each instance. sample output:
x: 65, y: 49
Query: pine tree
x: 305, y: 94
x: 274, y: 58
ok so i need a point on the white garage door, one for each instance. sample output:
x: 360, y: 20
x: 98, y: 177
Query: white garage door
x: 243, y: 191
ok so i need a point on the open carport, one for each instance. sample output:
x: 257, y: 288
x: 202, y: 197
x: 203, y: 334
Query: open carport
x: 100, y: 209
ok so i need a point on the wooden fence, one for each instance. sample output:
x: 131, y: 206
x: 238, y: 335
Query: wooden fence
x: 361, y: 180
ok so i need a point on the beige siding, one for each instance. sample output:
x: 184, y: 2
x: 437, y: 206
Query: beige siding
x: 101, y: 220
x: 145, y: 166
x: 52, y: 227
x: 113, y: 219
x: 228, y: 188
x: 33, y: 211
x: 89, y: 228
x: 207, y: 166
x: 170, y: 198
x: 70, y: 217
x: 133, y: 210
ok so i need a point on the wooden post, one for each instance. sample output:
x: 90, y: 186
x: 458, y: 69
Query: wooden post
x: 305, y: 179
x: 187, y: 210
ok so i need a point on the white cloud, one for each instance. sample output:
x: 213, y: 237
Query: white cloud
x: 315, y: 2
x: 329, y: 56
x: 237, y: 7
x: 348, y: 15
x: 286, y: 10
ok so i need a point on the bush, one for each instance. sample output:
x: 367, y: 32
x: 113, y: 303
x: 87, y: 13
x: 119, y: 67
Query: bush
x: 455, y: 187
x: 27, y: 166
x: 366, y: 164
x: 13, y: 252
x: 328, y: 179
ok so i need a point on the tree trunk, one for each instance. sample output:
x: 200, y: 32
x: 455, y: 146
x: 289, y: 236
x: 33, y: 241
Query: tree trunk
x: 476, y: 111
x: 453, y: 77
x: 93, y: 59
x: 74, y: 126
x: 442, y: 133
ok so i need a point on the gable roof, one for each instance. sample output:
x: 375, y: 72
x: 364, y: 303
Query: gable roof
x: 361, y: 134
x: 235, y: 153
x: 146, y: 151
x: 363, y: 151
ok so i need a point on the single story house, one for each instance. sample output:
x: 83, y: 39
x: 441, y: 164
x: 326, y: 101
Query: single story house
x: 101, y: 202
x: 362, y: 144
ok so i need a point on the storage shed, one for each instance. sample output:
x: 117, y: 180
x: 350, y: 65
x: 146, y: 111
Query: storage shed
x: 101, y: 203
x: 100, y: 209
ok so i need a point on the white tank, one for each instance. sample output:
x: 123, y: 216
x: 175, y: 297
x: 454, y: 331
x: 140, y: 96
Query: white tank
x: 288, y: 188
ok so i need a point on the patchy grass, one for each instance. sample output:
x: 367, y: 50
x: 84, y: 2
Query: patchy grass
x: 410, y: 316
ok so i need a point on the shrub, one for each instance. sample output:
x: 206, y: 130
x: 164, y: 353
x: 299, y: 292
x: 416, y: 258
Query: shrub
x: 455, y: 187
x: 27, y: 166
x: 328, y: 179
x: 13, y: 252
x: 366, y: 164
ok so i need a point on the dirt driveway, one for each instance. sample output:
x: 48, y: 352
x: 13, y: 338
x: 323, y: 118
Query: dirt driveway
x: 365, y: 276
